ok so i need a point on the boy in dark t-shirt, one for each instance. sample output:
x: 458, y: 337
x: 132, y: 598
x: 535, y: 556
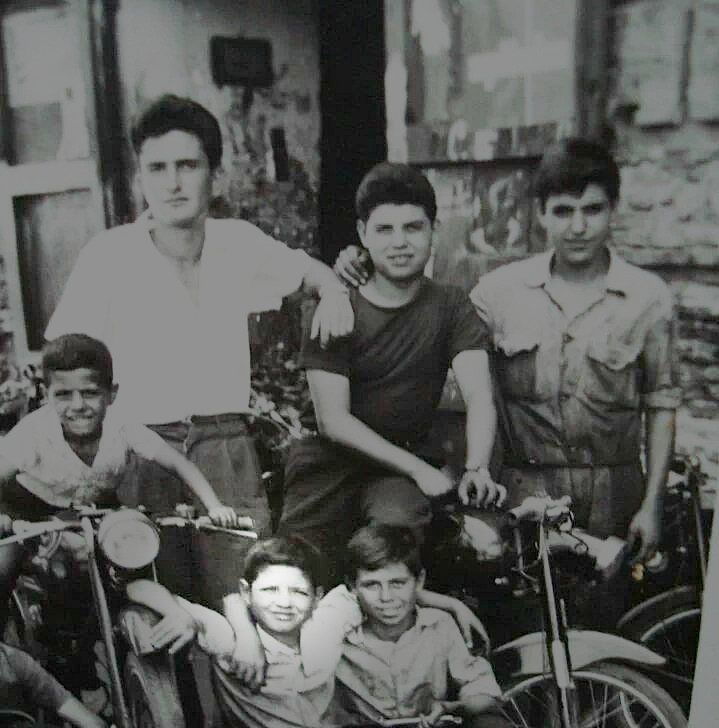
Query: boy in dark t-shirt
x: 375, y: 392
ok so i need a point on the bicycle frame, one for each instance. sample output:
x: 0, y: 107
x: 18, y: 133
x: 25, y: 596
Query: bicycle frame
x: 562, y: 649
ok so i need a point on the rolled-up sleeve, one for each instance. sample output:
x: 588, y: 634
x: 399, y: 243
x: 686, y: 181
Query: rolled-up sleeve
x: 278, y: 269
x: 472, y: 674
x: 660, y: 385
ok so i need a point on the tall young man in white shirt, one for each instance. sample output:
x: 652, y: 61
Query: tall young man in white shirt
x: 169, y: 295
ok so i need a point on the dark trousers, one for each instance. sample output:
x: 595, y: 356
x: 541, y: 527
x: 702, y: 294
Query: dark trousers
x: 330, y: 491
x: 206, y: 566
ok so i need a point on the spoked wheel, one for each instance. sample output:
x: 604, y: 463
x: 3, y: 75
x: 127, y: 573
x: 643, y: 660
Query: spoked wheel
x: 152, y: 697
x: 671, y: 628
x: 604, y: 696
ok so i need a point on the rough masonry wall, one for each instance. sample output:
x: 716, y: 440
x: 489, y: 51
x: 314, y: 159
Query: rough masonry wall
x: 668, y: 218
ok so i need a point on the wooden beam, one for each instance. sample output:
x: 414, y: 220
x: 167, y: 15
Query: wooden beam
x: 591, y: 61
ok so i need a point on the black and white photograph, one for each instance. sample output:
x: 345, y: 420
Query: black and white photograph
x: 359, y: 363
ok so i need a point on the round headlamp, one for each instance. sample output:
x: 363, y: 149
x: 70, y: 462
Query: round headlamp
x: 128, y: 539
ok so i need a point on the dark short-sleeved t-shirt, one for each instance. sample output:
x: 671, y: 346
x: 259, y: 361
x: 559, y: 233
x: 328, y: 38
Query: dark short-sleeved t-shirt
x: 397, y: 359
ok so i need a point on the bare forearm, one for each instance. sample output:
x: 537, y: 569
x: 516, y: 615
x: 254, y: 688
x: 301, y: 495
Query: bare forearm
x: 481, y: 430
x: 345, y: 429
x: 660, y: 429
x: 153, y: 595
x: 319, y: 279
x: 190, y: 474
x: 73, y: 711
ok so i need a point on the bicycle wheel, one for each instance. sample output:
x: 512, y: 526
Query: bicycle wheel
x: 605, y: 695
x: 671, y: 628
x: 152, y: 695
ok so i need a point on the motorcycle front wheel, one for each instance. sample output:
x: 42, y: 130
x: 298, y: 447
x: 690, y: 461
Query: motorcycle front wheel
x: 152, y: 697
x: 604, y: 695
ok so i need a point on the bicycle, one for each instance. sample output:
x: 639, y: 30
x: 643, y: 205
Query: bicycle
x: 559, y: 677
x: 668, y: 622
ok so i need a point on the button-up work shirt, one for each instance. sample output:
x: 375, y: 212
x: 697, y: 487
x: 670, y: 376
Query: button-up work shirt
x: 402, y: 679
x: 575, y: 387
x: 174, y: 357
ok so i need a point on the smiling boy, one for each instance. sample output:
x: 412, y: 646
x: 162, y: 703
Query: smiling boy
x: 75, y: 451
x: 376, y: 391
x: 403, y: 660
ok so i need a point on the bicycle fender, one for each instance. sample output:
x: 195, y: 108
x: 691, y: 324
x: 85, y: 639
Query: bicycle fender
x: 527, y: 655
x: 136, y: 623
x: 653, y: 602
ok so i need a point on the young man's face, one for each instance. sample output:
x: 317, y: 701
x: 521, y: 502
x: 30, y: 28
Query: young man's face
x: 399, y: 240
x: 388, y: 596
x: 175, y: 177
x: 578, y: 226
x: 80, y: 402
x: 281, y: 599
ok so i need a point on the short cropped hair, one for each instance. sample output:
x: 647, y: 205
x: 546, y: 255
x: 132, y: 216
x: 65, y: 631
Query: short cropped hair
x: 174, y: 113
x: 571, y: 164
x: 394, y: 184
x: 78, y: 351
x: 379, y: 545
x: 285, y: 551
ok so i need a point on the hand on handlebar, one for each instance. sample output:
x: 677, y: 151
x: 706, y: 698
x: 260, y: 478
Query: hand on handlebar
x: 479, y: 490
x: 224, y: 516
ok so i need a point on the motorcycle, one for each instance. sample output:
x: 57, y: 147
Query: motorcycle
x: 68, y: 609
x: 552, y: 676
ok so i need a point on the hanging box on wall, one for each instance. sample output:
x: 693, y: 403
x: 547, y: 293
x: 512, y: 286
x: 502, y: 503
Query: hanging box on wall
x: 241, y: 61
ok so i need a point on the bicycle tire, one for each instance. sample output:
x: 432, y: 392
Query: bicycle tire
x: 671, y: 628
x: 630, y: 698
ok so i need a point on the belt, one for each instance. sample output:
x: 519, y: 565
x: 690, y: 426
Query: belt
x: 578, y: 457
x: 218, y: 419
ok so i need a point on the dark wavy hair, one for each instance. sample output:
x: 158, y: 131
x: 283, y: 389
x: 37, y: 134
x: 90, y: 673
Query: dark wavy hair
x: 77, y: 351
x: 571, y: 164
x: 285, y: 551
x: 378, y: 545
x: 174, y: 113
x: 394, y: 184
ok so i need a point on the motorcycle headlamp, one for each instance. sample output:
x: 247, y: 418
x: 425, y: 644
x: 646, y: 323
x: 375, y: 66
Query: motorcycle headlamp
x: 128, y: 539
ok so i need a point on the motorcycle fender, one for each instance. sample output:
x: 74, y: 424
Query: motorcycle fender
x: 136, y: 623
x: 527, y: 655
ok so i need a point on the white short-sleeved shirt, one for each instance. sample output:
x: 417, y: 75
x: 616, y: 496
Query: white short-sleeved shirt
x: 174, y: 358
x: 51, y: 470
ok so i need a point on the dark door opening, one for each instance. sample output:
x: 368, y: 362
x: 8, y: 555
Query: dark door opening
x: 352, y: 62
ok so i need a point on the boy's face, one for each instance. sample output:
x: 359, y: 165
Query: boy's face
x: 80, y: 402
x: 388, y: 596
x: 578, y: 226
x: 281, y: 598
x: 399, y: 240
x: 175, y: 177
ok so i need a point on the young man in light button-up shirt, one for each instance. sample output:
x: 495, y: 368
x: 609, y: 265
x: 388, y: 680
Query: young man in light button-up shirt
x: 170, y: 294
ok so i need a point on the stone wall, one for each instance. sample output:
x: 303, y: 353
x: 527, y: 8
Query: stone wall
x: 668, y: 218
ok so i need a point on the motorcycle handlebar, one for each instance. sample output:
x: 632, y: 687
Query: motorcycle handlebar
x: 245, y: 527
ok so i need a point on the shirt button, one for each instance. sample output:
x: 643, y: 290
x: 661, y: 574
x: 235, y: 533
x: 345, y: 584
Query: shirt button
x: 564, y: 396
x: 566, y: 338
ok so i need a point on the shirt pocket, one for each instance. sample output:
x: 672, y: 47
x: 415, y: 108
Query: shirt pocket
x: 612, y: 375
x: 517, y: 365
